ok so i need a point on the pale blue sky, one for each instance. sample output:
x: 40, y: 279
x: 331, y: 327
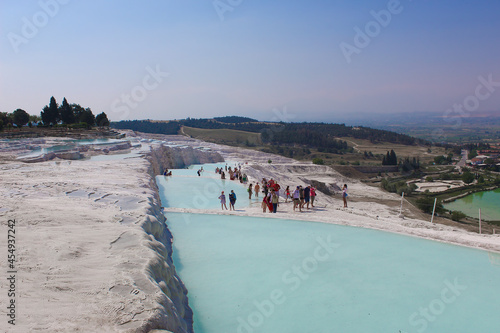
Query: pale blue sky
x: 263, y: 55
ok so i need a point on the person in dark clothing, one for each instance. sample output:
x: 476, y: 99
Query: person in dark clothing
x: 307, y: 196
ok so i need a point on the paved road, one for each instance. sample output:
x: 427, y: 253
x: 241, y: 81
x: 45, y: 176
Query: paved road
x: 461, y: 163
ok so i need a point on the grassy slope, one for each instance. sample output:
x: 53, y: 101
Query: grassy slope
x: 241, y: 138
x: 224, y: 136
x: 401, y: 151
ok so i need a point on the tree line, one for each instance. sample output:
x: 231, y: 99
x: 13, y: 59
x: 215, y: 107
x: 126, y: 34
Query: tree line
x: 146, y: 126
x: 53, y: 114
x: 317, y: 135
x: 302, y: 135
x: 69, y: 114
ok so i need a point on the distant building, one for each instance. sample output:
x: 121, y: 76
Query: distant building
x: 491, y: 153
x: 476, y: 160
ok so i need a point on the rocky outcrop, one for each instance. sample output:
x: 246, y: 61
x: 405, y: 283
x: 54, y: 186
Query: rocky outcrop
x: 62, y: 154
x: 40, y: 158
x: 177, y: 158
x: 175, y: 315
x: 69, y: 155
x: 109, y: 148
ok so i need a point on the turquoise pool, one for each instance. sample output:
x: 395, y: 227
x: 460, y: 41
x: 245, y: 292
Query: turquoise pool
x: 268, y: 275
x: 488, y: 201
x: 185, y: 189
x: 251, y: 275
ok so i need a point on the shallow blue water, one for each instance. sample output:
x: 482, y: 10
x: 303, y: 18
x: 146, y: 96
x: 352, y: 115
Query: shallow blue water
x: 38, y: 152
x: 114, y: 157
x: 251, y: 275
x: 185, y: 189
x: 269, y: 275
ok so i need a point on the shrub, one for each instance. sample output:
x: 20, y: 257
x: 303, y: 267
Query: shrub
x: 78, y: 125
x: 457, y: 215
x: 427, y: 203
x: 429, y: 179
x: 318, y: 161
x: 467, y: 177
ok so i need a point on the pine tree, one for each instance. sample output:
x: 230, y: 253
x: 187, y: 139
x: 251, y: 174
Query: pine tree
x: 66, y: 112
x: 78, y: 111
x: 102, y: 119
x: 88, y: 117
x: 50, y: 114
x: 393, y: 158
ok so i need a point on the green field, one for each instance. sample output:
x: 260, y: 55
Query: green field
x: 223, y: 136
x: 356, y: 157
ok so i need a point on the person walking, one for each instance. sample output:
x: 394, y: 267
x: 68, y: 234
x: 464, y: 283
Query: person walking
x: 313, y: 195
x: 344, y: 195
x: 264, y: 205
x: 287, y: 194
x: 269, y: 197
x: 250, y: 190
x: 301, y: 196
x: 275, y: 200
x: 222, y: 198
x: 256, y: 188
x: 296, y: 199
x: 307, y: 196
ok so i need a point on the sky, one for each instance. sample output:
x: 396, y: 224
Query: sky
x: 270, y: 60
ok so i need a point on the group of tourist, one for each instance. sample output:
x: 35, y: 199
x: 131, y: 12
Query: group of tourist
x: 232, y: 200
x: 302, y: 197
x: 234, y: 173
x: 271, y: 195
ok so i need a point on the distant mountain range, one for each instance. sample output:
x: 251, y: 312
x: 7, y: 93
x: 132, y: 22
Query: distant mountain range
x: 417, y: 118
x: 438, y: 127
